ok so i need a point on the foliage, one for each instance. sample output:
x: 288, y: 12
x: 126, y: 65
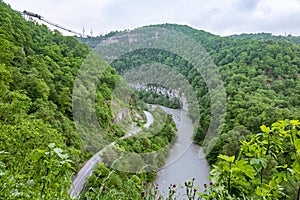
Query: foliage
x: 269, y: 36
x: 50, y: 172
x: 267, y: 165
x: 154, y: 98
x: 37, y: 73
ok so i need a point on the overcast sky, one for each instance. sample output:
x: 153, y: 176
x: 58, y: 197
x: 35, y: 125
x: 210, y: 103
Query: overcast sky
x: 221, y: 17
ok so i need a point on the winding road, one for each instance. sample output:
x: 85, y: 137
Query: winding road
x: 87, y: 170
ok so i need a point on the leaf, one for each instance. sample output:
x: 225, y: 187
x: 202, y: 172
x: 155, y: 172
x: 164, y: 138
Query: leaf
x: 247, y: 169
x: 51, y: 145
x: 265, y: 129
x: 285, y: 178
x: 227, y: 158
x: 280, y: 124
x: 216, y: 173
x: 279, y: 178
x: 254, y: 161
x: 259, y: 162
x: 296, y: 166
x: 272, y: 184
x: 295, y: 122
x: 3, y: 152
x: 297, y: 145
x: 263, y: 190
x: 59, y: 152
x: 258, y: 191
x: 38, y: 154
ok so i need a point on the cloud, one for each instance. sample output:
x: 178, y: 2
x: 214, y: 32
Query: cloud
x: 219, y: 17
x: 255, y: 16
x: 246, y: 5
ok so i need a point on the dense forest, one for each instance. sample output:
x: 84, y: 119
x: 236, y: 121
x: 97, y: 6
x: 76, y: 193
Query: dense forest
x: 255, y: 157
x: 40, y: 147
x: 261, y: 76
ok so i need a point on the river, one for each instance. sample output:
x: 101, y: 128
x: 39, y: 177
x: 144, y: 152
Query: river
x: 185, y: 161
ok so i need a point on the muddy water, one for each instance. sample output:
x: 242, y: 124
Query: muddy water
x: 186, y: 160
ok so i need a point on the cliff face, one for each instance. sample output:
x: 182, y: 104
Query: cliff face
x: 122, y: 114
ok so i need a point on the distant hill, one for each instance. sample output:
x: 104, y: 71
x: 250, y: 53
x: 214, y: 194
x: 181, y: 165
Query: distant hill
x: 196, y: 34
x: 268, y: 36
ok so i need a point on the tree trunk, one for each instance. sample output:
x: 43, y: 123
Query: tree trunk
x: 298, y: 196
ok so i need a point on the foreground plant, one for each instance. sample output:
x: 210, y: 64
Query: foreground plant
x: 267, y: 165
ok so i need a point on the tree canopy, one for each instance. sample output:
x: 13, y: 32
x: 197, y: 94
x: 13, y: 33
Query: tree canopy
x: 41, y: 149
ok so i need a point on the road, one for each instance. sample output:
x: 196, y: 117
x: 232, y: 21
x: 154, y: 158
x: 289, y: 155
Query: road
x: 87, y: 170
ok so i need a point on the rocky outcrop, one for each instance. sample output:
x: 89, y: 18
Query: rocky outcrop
x: 122, y: 114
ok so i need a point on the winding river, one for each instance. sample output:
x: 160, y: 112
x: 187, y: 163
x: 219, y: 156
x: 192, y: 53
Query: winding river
x: 186, y: 160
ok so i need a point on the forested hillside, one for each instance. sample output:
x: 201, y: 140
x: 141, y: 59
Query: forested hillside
x: 256, y: 156
x: 40, y: 148
x: 269, y: 36
x: 261, y: 75
x: 261, y: 79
